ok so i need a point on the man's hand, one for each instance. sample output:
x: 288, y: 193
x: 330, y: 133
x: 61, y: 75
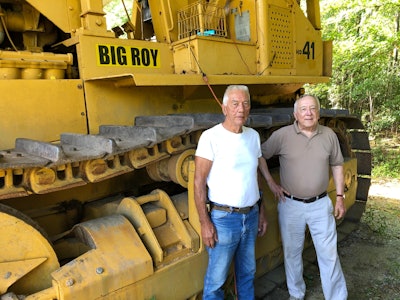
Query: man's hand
x: 262, y: 221
x: 277, y: 190
x: 340, y: 208
x: 209, y: 234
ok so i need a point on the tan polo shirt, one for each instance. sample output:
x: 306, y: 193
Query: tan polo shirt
x: 304, y: 162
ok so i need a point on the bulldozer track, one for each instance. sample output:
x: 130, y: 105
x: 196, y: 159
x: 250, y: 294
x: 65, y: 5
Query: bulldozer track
x: 35, y: 167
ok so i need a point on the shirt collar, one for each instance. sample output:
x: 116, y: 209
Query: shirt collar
x: 298, y: 131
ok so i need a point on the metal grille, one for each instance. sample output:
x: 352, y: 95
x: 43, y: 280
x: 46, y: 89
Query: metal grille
x: 201, y: 18
x: 281, y: 37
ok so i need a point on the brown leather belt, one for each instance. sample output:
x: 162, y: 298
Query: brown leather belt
x: 241, y: 210
x: 309, y: 200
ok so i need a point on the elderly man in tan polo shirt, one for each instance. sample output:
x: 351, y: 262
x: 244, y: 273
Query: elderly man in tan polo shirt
x: 306, y: 151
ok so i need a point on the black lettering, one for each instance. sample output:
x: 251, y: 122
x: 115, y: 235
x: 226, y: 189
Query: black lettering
x: 103, y: 55
x: 145, y: 57
x: 154, y: 53
x: 308, y: 50
x: 313, y: 52
x: 121, y: 56
x: 112, y: 51
x: 135, y: 56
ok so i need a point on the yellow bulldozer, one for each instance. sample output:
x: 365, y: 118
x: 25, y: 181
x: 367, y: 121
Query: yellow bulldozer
x: 99, y: 127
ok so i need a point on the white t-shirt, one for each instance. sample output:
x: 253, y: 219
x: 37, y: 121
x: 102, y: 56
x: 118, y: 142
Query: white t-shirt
x: 232, y: 179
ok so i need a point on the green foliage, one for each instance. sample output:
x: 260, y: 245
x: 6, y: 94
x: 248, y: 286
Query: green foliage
x: 116, y: 14
x: 386, y: 160
x: 375, y: 220
x: 383, y: 121
x: 366, y: 71
x: 382, y: 217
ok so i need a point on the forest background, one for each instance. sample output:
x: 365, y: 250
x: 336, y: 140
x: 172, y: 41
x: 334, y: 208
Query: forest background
x: 366, y: 72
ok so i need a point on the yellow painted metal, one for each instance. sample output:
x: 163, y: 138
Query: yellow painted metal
x: 151, y: 80
x: 156, y: 215
x: 178, y: 167
x: 173, y: 169
x: 14, y: 270
x: 181, y: 279
x: 131, y: 209
x: 122, y: 258
x: 100, y: 169
x: 174, y: 227
x: 71, y: 15
x: 283, y: 43
x: 66, y: 14
x: 328, y: 54
x: 26, y: 257
x: 102, y: 55
x: 313, y: 13
x: 43, y: 108
x: 308, y: 47
x: 164, y: 18
x: 192, y: 210
x: 178, y: 144
x: 203, y: 54
x: 115, y: 260
x: 42, y: 177
x: 350, y: 173
x: 31, y: 65
x: 145, y: 156
x: 269, y: 248
x: 158, y: 171
x: 136, y: 20
x: 44, y: 180
x: 129, y: 64
x: 10, y: 188
x: 238, y: 14
x: 160, y: 226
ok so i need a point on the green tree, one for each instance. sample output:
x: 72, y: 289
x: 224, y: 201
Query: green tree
x: 118, y: 12
x: 366, y: 69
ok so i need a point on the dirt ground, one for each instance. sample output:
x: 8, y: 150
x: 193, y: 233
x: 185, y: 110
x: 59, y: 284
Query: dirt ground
x: 370, y: 255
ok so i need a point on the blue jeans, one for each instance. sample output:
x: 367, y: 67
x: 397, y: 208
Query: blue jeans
x: 237, y: 235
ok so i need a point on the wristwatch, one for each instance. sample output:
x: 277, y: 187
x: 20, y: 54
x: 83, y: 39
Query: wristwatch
x: 340, y: 195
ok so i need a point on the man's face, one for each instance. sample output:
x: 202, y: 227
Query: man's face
x: 307, y: 113
x: 237, y: 109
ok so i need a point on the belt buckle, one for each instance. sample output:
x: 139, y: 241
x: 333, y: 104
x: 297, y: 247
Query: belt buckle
x: 309, y: 200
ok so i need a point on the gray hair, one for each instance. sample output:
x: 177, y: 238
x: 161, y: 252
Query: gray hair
x: 307, y: 95
x: 230, y: 88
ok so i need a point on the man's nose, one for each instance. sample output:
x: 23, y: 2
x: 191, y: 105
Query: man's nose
x: 241, y: 107
x: 308, y: 111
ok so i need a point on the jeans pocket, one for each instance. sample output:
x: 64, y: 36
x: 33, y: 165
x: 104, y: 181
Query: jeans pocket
x: 218, y: 214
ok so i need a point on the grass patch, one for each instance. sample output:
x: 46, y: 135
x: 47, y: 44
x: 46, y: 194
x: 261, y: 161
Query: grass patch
x: 382, y: 216
x: 386, y: 156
